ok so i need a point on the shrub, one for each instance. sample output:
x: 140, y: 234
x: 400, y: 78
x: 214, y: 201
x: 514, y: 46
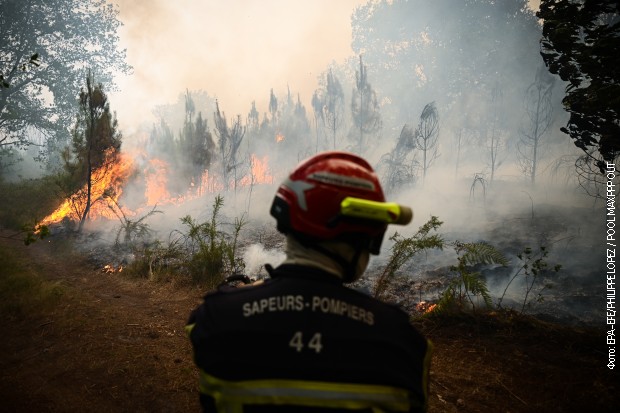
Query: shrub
x: 211, y: 253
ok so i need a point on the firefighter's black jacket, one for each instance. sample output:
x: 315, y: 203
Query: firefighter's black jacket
x: 304, y: 339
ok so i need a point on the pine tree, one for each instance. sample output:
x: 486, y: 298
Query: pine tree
x: 95, y: 147
x: 364, y: 106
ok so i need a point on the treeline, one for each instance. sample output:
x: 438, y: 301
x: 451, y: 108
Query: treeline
x: 459, y: 84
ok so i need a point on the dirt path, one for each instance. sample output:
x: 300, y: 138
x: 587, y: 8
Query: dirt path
x: 109, y: 345
x: 117, y: 345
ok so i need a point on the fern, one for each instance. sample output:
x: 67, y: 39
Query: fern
x: 479, y: 253
x: 467, y: 284
x: 405, y: 248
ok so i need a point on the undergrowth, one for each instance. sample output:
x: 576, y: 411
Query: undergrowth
x: 200, y: 254
x: 21, y: 290
x: 25, y: 203
x: 464, y: 288
x: 467, y: 285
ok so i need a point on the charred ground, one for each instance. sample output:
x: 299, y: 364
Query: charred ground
x: 112, y: 344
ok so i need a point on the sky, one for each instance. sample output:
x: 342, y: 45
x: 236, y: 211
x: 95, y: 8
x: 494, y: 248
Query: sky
x: 236, y: 51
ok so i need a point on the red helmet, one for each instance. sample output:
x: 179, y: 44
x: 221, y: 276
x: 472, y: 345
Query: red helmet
x: 308, y: 203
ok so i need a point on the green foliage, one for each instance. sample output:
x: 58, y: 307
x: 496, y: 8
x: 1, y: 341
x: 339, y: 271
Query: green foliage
x: 533, y: 266
x: 405, y: 248
x: 57, y: 41
x: 21, y: 289
x: 35, y: 233
x: 211, y: 252
x: 158, y: 262
x: 202, y: 254
x: 466, y: 288
x: 579, y: 44
x: 95, y: 146
x: 195, y: 145
x: 23, y: 204
x: 33, y: 61
x: 466, y: 284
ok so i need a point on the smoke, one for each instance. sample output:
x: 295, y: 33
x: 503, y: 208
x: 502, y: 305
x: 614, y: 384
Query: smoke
x: 237, y: 51
x: 256, y: 256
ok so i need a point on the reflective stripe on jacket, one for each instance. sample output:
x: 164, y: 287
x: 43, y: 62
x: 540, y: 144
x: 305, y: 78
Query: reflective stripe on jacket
x: 303, y: 339
x: 232, y: 396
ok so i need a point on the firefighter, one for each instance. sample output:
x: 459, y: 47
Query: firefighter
x: 302, y: 341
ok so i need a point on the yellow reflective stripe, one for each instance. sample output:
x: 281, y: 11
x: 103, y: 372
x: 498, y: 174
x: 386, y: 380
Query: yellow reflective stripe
x: 189, y: 328
x: 230, y: 396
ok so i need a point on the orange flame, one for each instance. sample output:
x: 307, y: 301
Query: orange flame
x: 259, y: 173
x: 106, y: 181
x: 208, y: 184
x: 156, y: 190
x: 426, y: 307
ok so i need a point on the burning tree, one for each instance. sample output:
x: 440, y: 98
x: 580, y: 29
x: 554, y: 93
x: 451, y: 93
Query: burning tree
x: 96, y: 144
x: 196, y: 144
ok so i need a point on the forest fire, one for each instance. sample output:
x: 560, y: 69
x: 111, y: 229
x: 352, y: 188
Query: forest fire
x: 260, y: 173
x: 109, y: 181
x: 156, y: 182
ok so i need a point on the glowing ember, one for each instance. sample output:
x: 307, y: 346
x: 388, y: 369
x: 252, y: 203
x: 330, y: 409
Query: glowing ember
x: 279, y: 137
x: 425, y: 307
x: 111, y: 269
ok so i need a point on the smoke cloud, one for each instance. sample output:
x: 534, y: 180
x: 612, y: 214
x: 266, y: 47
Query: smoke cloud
x: 237, y: 51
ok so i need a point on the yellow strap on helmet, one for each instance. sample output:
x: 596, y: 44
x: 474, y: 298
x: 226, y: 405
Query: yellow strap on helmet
x: 387, y: 212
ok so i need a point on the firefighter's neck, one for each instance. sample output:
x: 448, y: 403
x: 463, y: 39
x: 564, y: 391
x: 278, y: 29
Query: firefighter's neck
x: 299, y: 254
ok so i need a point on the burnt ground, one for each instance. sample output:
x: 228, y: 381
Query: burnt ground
x: 117, y: 345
